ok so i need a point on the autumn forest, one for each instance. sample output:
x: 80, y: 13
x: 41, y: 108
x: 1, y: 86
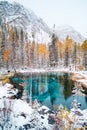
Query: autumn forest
x: 17, y: 51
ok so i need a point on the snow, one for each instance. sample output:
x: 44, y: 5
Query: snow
x: 8, y: 86
x: 7, y: 91
x: 64, y: 31
x: 20, y: 113
x: 81, y: 77
x: 31, y: 115
x: 42, y: 70
x: 83, y: 81
x: 26, y: 19
x: 31, y: 70
x: 17, y: 111
x: 80, y: 118
x: 21, y: 106
x: 44, y: 107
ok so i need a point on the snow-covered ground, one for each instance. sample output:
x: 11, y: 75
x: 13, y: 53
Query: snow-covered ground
x: 7, y: 90
x: 17, y: 114
x: 80, y: 77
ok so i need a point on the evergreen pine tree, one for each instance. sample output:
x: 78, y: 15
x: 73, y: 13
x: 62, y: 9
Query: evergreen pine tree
x: 53, y: 51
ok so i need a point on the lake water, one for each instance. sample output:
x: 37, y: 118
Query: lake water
x: 52, y: 89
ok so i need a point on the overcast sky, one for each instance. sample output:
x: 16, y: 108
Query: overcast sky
x: 60, y: 12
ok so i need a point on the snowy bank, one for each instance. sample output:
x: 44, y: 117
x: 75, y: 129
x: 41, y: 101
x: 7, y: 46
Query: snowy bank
x: 78, y: 76
x: 16, y: 114
x: 7, y: 90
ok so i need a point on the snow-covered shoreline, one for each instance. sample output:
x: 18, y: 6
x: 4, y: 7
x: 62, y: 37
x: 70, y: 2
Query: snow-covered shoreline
x: 17, y: 114
x: 79, y: 76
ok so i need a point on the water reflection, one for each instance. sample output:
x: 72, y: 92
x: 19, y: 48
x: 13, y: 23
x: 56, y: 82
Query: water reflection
x: 86, y: 99
x: 51, y: 85
x: 68, y: 85
x: 52, y: 89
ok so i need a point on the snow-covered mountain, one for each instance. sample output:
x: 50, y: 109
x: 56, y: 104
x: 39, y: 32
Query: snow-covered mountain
x: 14, y: 13
x: 64, y: 31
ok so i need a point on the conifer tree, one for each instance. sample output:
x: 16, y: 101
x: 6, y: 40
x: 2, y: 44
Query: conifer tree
x: 22, y: 46
x: 53, y: 51
x: 27, y: 52
x: 66, y: 56
x: 32, y: 49
x: 74, y: 55
x: 84, y: 47
x: 2, y: 46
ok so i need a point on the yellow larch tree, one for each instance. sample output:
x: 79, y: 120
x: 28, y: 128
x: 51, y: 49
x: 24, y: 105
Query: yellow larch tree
x: 43, y: 52
x: 60, y: 49
x: 6, y: 56
x: 84, y: 48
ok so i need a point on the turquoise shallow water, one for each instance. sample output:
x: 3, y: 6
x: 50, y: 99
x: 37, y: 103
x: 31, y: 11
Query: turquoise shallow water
x: 53, y: 89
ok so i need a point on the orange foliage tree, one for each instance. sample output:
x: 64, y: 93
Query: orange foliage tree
x: 43, y: 49
x: 69, y: 44
x: 43, y: 52
x: 60, y: 49
x: 6, y: 56
x: 84, y: 48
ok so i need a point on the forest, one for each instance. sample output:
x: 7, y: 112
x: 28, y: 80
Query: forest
x: 18, y: 51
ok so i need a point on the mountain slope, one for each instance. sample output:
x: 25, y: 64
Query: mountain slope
x: 64, y: 31
x: 14, y: 13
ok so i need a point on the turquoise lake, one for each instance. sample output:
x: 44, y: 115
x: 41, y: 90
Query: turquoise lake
x: 53, y: 89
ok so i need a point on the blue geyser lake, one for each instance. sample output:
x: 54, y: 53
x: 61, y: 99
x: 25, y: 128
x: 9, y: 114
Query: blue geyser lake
x: 52, y: 89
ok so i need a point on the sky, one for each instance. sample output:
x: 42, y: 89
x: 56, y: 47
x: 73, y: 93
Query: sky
x: 60, y: 12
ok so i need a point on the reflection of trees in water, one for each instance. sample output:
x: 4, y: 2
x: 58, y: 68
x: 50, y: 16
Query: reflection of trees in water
x: 53, y: 87
x: 39, y: 86
x: 86, y: 98
x: 48, y: 84
x: 85, y: 92
x: 67, y: 83
x: 35, y: 89
x: 44, y: 85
